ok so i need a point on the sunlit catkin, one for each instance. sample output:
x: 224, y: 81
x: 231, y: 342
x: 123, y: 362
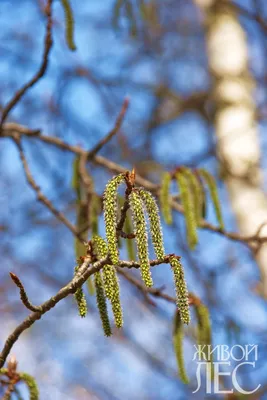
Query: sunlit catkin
x: 154, y: 222
x: 178, y: 335
x: 211, y: 183
x: 181, y: 289
x: 110, y: 216
x: 31, y: 384
x: 69, y: 22
x: 109, y: 276
x: 101, y: 304
x: 164, y: 198
x: 141, y: 236
x: 188, y: 205
x: 110, y: 280
x: 80, y: 299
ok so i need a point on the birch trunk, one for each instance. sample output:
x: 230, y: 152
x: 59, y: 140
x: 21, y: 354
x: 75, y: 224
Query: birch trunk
x: 235, y: 122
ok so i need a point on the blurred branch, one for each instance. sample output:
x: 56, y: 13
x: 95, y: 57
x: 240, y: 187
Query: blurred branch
x: 11, y: 129
x: 40, y: 73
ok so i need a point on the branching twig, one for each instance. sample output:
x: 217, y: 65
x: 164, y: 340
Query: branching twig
x: 81, y: 276
x: 79, y: 279
x: 40, y: 196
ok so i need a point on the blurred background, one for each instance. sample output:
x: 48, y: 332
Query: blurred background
x: 195, y: 72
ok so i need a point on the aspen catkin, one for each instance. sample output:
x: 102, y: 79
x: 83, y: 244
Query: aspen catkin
x: 181, y: 289
x: 80, y: 299
x: 101, y: 304
x: 209, y: 179
x: 110, y: 280
x: 197, y: 193
x: 141, y: 236
x: 110, y: 216
x: 154, y: 220
x: 32, y: 386
x: 178, y: 335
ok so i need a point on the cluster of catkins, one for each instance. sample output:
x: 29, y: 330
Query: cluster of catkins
x: 143, y: 207
x: 190, y: 184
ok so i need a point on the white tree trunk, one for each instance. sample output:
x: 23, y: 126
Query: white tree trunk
x: 235, y: 121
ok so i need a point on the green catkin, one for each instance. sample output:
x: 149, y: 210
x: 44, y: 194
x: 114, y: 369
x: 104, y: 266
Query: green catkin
x: 116, y: 305
x: 154, y: 221
x: 101, y: 250
x: 32, y: 386
x: 141, y: 236
x: 69, y: 21
x: 164, y: 198
x: 197, y: 191
x: 101, y: 304
x: 188, y: 205
x: 203, y: 327
x: 110, y: 216
x: 80, y: 299
x: 178, y: 335
x: 209, y: 179
x: 181, y: 289
x: 110, y: 281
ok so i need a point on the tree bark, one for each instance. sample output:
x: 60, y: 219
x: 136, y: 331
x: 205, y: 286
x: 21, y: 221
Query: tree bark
x: 235, y: 123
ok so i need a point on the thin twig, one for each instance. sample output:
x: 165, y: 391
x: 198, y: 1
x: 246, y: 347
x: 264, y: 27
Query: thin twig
x: 153, y: 263
x: 157, y: 292
x: 113, y: 132
x: 40, y: 196
x: 40, y: 73
x: 78, y: 280
x: 23, y: 294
